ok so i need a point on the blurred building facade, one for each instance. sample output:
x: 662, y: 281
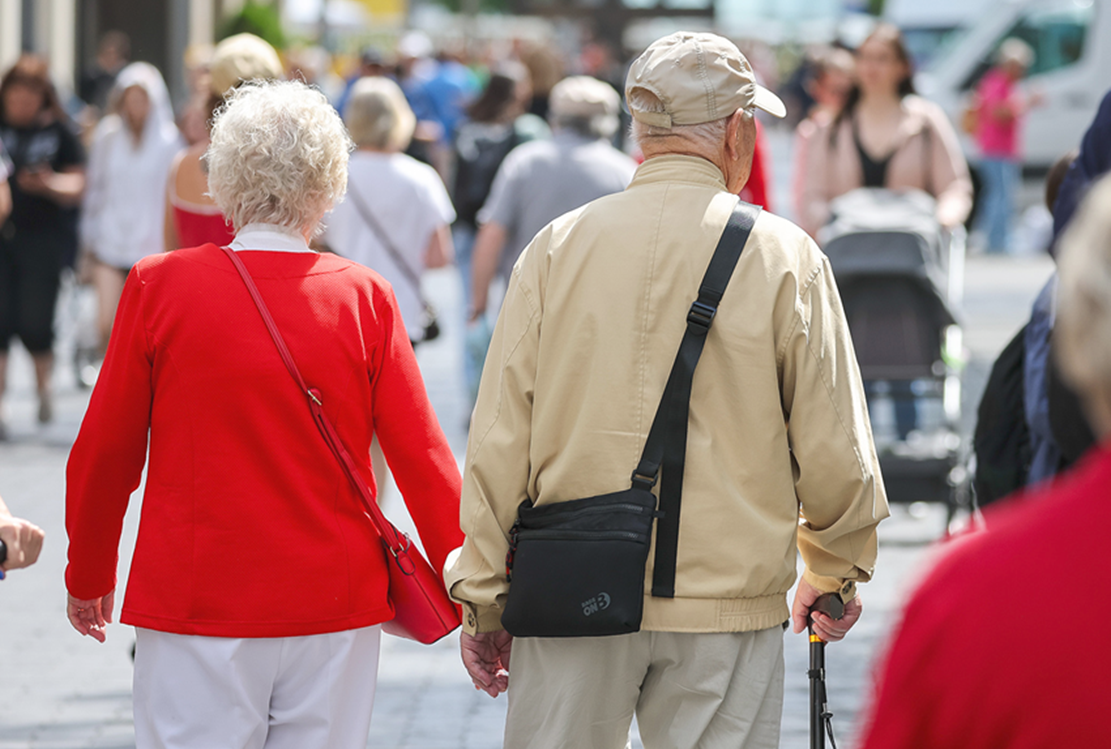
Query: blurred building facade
x: 67, y: 32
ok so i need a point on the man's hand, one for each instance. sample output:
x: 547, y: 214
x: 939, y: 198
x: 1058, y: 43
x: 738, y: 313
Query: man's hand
x: 91, y: 617
x: 830, y: 630
x: 486, y: 656
x: 23, y: 539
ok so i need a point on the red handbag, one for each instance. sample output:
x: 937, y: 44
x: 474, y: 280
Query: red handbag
x: 422, y: 609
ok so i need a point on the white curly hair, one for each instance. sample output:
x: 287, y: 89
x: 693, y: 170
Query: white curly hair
x: 1083, y: 328
x: 278, y: 155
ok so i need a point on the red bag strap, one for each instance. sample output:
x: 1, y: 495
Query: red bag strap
x: 397, y: 542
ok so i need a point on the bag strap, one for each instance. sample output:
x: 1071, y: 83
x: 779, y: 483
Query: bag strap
x: 397, y: 542
x: 666, y: 445
x: 384, y: 239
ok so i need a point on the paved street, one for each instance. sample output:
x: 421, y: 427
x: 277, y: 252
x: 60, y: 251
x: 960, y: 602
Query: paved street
x: 59, y: 691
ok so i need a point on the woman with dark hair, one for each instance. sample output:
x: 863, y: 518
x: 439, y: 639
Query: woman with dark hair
x: 885, y: 136
x: 46, y: 180
x: 498, y: 121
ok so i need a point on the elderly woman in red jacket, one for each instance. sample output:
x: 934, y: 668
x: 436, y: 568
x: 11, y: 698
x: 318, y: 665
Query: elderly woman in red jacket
x: 258, y: 581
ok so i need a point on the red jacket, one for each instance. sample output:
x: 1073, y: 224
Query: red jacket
x: 249, y: 527
x: 1003, y: 646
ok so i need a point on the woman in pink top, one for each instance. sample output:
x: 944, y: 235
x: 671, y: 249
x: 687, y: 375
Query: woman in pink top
x: 1000, y: 107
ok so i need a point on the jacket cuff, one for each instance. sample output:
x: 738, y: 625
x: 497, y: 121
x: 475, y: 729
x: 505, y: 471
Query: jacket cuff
x: 845, y: 588
x: 478, y: 619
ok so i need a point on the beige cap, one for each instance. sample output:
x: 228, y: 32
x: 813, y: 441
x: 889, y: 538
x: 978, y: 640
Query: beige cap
x: 583, y: 96
x: 698, y: 78
x: 243, y: 57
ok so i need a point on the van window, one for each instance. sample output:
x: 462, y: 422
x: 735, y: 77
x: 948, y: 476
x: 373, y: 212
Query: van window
x: 1057, y: 32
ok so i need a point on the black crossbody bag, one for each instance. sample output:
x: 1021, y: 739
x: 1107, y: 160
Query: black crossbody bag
x: 576, y: 568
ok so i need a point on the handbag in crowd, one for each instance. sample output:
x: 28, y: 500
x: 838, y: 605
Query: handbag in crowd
x: 429, y: 324
x: 422, y: 609
x: 577, y: 568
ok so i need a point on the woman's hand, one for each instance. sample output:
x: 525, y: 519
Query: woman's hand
x: 91, y: 617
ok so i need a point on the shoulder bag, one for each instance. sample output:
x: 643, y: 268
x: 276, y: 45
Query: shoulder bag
x: 577, y: 568
x: 429, y: 324
x: 422, y: 609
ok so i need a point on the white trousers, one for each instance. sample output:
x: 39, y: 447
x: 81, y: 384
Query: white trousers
x: 313, y: 692
x: 689, y: 691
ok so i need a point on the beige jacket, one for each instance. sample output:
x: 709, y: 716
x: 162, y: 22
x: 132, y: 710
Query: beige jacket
x: 592, y: 319
x: 926, y: 156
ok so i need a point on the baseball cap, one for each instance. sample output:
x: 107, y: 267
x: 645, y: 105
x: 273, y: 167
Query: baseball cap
x: 583, y: 96
x: 242, y: 57
x: 698, y: 77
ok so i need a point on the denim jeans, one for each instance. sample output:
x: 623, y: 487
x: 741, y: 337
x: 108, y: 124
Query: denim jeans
x: 997, y: 204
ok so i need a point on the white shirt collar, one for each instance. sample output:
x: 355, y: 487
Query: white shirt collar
x: 269, y: 237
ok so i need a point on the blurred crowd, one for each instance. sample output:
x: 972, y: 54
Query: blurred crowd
x: 114, y: 173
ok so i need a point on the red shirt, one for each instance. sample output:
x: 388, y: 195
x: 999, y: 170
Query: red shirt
x: 1004, y: 645
x: 249, y: 527
x: 195, y: 227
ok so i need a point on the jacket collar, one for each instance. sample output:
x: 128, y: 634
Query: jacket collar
x: 678, y: 168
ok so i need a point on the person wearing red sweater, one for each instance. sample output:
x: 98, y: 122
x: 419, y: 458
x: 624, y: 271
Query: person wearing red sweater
x: 258, y: 581
x: 1001, y: 647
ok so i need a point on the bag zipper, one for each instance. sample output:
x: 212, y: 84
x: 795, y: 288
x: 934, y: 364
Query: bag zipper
x: 564, y: 515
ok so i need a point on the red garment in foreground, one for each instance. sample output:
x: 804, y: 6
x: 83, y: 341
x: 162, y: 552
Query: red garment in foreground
x: 1005, y: 645
x: 249, y: 527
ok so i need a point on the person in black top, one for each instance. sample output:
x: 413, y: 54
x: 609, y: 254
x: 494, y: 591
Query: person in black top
x: 112, y: 56
x: 40, y: 235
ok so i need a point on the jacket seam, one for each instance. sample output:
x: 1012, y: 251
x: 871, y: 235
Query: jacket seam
x: 480, y: 441
x: 647, y: 301
x: 854, y: 554
x: 807, y: 283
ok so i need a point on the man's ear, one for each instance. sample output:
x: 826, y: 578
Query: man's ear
x: 733, y: 134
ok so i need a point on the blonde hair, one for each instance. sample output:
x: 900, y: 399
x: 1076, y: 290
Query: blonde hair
x: 278, y: 155
x: 1083, y: 328
x: 378, y: 116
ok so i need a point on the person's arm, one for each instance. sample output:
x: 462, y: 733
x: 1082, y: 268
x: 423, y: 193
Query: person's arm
x: 496, y: 473
x: 22, y: 539
x: 92, y: 203
x: 64, y: 188
x: 106, y: 464
x: 814, y: 181
x: 418, y: 454
x: 488, y: 246
x: 949, y: 178
x: 5, y: 200
x: 838, y: 481
x: 169, y: 224
x: 440, y: 251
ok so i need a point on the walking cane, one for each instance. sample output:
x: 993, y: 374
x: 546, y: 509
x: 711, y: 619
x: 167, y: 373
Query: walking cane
x: 821, y: 719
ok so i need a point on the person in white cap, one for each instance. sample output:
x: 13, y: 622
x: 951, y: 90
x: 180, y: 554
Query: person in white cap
x: 541, y: 180
x: 778, y: 433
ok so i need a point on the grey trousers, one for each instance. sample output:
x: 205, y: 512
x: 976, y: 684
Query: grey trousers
x: 689, y: 691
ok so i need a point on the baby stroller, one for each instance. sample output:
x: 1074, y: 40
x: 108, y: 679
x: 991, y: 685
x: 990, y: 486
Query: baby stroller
x: 900, y: 275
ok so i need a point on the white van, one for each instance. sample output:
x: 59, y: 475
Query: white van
x: 1072, y: 69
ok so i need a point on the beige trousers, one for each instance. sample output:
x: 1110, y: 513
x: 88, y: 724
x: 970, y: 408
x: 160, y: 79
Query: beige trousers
x: 689, y: 691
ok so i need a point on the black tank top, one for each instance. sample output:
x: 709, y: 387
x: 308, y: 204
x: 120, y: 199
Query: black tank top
x: 875, y: 171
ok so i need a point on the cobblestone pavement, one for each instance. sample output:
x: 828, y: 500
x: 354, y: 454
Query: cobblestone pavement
x: 61, y: 691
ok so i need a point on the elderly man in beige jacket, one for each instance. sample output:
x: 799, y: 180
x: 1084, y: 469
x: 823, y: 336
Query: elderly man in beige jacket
x: 778, y: 430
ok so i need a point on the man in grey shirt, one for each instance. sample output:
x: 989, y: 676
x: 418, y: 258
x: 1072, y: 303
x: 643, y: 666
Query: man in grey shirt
x: 542, y: 180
